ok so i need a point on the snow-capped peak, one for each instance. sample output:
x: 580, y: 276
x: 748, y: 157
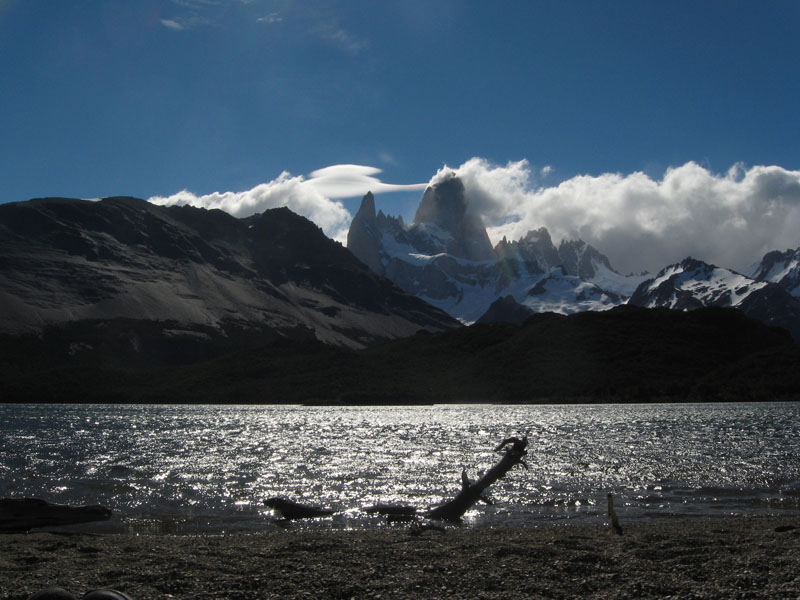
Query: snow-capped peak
x: 693, y: 283
x: 782, y: 268
x: 445, y: 257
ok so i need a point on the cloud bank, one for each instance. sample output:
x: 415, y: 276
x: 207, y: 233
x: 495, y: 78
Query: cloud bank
x: 313, y: 198
x: 640, y: 223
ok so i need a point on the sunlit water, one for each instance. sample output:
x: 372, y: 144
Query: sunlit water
x: 209, y: 468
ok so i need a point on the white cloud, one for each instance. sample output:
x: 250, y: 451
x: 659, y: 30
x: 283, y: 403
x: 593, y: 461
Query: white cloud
x: 729, y: 219
x: 313, y: 198
x: 642, y: 223
x: 270, y: 19
x: 349, y: 181
x: 346, y: 41
x: 387, y: 158
x: 193, y: 14
x: 169, y: 23
x: 204, y: 4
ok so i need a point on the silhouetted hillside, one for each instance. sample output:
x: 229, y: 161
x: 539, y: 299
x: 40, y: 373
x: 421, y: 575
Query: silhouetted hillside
x: 627, y: 354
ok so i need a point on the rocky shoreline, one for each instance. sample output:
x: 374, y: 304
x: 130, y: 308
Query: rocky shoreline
x: 736, y: 557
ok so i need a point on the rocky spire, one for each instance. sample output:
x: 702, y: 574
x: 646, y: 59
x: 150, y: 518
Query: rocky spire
x: 580, y: 259
x: 364, y: 237
x: 444, y: 205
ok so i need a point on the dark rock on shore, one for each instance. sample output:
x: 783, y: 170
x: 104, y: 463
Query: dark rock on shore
x: 23, y: 514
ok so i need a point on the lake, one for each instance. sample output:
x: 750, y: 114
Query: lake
x: 185, y: 469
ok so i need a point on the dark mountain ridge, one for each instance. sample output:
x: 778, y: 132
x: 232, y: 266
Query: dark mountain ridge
x: 506, y: 310
x: 201, y: 274
x: 626, y: 354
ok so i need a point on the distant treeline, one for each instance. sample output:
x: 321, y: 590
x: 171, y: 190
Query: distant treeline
x: 626, y: 354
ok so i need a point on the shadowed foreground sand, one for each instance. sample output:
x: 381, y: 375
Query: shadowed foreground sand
x: 704, y: 558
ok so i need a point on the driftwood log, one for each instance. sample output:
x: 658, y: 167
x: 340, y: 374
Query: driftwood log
x: 393, y: 512
x: 290, y: 510
x: 514, y: 451
x: 18, y: 515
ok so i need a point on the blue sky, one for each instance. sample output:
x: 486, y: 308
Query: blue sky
x: 152, y: 97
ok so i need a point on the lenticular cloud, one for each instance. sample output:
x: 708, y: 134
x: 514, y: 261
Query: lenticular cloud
x: 313, y: 198
x: 643, y: 223
x: 349, y: 181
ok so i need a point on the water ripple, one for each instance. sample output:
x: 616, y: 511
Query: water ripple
x: 210, y: 467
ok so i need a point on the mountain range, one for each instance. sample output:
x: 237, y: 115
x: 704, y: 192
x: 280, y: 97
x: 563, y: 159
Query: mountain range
x: 122, y: 300
x: 692, y: 284
x: 188, y: 277
x: 446, y: 258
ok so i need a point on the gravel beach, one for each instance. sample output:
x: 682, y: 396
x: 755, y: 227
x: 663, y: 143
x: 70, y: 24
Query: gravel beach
x: 752, y: 557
